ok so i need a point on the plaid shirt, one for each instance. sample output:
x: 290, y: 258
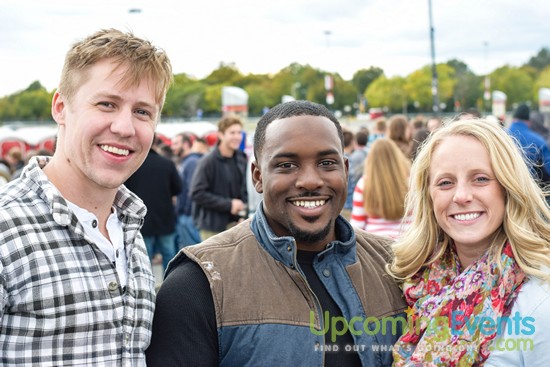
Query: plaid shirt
x: 60, y: 299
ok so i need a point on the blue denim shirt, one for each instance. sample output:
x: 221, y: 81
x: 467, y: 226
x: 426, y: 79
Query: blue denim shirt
x: 331, y: 268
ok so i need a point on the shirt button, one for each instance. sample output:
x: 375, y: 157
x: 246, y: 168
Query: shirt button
x: 113, y: 286
x: 116, y: 252
x: 326, y: 273
x: 94, y: 223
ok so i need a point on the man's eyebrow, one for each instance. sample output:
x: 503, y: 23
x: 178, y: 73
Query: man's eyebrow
x: 106, y: 94
x: 322, y: 153
x: 285, y: 155
x: 117, y: 98
x: 328, y: 152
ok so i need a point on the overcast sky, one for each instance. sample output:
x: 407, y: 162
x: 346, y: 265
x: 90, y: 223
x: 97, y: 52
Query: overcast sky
x: 263, y: 37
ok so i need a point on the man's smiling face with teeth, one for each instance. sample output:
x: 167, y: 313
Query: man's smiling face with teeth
x: 304, y: 184
x: 114, y: 124
x: 115, y: 150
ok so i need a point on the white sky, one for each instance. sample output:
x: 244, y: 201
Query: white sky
x: 264, y: 37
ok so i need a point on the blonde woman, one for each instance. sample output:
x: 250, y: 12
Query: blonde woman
x: 379, y: 196
x: 474, y: 262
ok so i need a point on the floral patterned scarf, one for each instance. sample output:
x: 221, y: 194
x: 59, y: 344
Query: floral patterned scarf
x: 455, y: 315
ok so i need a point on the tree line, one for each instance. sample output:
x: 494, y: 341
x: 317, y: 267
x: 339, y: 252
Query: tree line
x: 459, y: 89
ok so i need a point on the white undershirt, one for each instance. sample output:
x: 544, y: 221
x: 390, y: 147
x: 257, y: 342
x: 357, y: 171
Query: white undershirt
x: 114, y: 250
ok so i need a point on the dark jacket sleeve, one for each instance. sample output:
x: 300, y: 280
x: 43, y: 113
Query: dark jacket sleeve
x: 243, y: 162
x: 184, y: 325
x: 201, y: 186
x: 175, y: 180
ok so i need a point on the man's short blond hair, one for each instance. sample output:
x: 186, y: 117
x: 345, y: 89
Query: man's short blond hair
x: 140, y: 57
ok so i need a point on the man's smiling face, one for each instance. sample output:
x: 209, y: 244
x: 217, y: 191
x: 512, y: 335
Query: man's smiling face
x: 302, y: 174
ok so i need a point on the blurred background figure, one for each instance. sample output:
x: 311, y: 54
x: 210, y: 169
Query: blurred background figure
x: 417, y: 140
x: 218, y: 187
x: 533, y: 145
x: 398, y: 131
x: 434, y: 123
x: 357, y: 157
x: 28, y: 155
x: 379, y: 196
x: 469, y: 114
x: 378, y: 131
x: 537, y: 125
x: 188, y: 150
x: 349, y: 146
x: 5, y: 172
x: 356, y: 164
x: 180, y: 145
x: 14, y: 157
x: 157, y: 183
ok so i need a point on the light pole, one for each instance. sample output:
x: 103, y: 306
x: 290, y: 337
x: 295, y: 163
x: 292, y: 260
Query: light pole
x: 328, y: 33
x: 329, y: 81
x: 487, y: 82
x: 435, y: 92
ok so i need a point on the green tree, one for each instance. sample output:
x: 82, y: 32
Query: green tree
x: 8, y: 110
x: 389, y: 93
x: 226, y: 74
x: 418, y: 86
x: 212, y: 101
x: 515, y: 82
x: 184, y: 97
x: 289, y: 81
x: 467, y: 90
x: 540, y: 60
x: 542, y: 81
x: 345, y: 93
x: 36, y: 85
x: 34, y: 105
x: 258, y: 98
x: 364, y: 77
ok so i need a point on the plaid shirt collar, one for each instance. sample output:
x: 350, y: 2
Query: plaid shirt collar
x: 129, y: 206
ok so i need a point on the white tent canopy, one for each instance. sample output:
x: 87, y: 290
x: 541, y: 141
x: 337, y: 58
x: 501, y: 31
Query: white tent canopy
x: 199, y: 128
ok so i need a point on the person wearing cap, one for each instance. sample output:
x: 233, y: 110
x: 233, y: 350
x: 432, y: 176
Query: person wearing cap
x: 534, y: 146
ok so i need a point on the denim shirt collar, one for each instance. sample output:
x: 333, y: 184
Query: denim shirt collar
x: 284, y: 248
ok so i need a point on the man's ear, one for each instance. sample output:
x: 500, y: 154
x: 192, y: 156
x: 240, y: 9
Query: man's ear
x: 346, y: 164
x: 58, y: 108
x: 257, y: 177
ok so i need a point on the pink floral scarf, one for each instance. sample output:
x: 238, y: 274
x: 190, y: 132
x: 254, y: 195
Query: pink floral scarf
x: 454, y: 314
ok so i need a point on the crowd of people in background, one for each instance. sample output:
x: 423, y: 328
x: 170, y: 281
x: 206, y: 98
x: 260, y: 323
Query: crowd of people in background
x: 380, y: 155
x: 214, y: 197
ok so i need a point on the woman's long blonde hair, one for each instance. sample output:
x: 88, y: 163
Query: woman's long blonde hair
x: 385, y: 179
x: 526, y: 220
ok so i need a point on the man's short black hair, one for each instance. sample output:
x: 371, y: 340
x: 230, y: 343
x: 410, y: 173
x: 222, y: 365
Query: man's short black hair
x: 291, y: 109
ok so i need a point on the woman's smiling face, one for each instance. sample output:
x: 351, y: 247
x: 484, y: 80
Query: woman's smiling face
x: 468, y: 200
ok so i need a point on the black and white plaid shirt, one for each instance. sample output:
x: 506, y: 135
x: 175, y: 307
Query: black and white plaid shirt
x: 60, y: 299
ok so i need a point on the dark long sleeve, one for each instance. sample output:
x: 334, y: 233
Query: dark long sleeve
x: 184, y: 325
